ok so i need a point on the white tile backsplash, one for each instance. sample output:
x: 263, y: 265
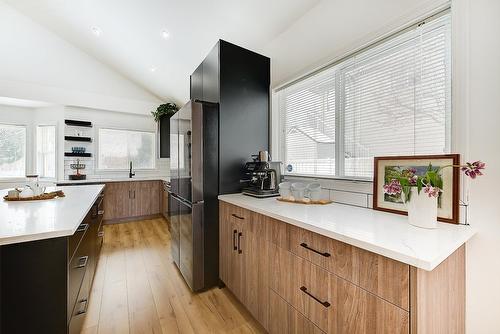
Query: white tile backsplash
x: 351, y: 192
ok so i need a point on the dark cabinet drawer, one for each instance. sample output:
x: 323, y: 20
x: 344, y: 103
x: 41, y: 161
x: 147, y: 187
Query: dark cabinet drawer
x: 75, y: 239
x: 77, y: 269
x: 80, y: 309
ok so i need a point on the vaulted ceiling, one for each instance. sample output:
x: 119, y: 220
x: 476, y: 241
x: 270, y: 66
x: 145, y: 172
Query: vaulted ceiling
x: 158, y: 43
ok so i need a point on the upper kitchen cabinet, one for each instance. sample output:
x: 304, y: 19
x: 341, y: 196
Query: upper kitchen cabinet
x: 238, y: 80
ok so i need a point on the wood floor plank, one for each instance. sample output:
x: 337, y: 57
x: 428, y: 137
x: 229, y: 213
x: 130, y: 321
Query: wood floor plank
x: 138, y: 289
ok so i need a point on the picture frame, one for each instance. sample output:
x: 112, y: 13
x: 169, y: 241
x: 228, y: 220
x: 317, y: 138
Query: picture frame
x: 448, y: 211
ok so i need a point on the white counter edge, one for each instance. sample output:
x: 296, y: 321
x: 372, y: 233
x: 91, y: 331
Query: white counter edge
x: 404, y: 258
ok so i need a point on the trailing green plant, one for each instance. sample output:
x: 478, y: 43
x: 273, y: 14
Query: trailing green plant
x: 166, y: 109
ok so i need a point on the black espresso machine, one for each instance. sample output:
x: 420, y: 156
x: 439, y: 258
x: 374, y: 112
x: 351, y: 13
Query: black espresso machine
x: 261, y: 177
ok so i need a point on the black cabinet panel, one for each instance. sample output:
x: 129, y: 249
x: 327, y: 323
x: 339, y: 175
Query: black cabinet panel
x: 244, y: 110
x: 164, y: 129
x: 197, y: 83
x: 211, y: 76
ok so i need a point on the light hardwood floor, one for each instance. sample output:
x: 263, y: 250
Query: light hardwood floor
x: 138, y: 289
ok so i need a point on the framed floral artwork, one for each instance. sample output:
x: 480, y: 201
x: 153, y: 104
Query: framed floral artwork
x: 387, y: 198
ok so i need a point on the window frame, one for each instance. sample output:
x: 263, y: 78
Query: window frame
x: 99, y: 170
x: 27, y: 155
x: 56, y: 151
x: 338, y: 65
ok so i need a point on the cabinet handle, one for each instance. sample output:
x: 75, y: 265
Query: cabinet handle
x: 82, y: 262
x: 134, y: 194
x: 100, y: 212
x: 325, y: 254
x: 129, y: 194
x: 239, y: 243
x: 82, y: 228
x: 100, y: 234
x: 85, y: 303
x: 234, y: 239
x: 304, y: 290
x: 236, y: 216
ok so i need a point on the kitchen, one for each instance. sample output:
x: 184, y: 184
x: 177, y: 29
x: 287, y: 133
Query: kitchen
x: 244, y: 177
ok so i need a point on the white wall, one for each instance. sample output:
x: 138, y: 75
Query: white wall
x: 333, y: 28
x: 31, y: 117
x: 483, y: 260
x: 35, y: 64
x: 315, y: 40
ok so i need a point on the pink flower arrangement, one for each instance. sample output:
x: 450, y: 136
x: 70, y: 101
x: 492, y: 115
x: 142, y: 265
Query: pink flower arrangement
x: 432, y: 191
x: 401, y: 181
x: 393, y: 188
x: 473, y: 169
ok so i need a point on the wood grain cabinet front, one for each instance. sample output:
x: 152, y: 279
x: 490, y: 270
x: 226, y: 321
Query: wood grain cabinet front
x: 296, y: 281
x: 286, y: 319
x: 356, y: 311
x: 132, y: 199
x: 243, y: 262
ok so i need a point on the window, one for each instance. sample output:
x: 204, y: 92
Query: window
x: 393, y: 98
x: 12, y: 151
x: 118, y: 147
x: 46, y: 151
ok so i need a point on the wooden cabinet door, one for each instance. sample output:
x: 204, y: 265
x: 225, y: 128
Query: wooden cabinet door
x: 255, y: 262
x: 145, y: 198
x: 117, y: 200
x: 356, y: 311
x: 225, y: 242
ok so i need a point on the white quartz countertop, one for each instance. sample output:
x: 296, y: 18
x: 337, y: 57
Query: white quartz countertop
x: 383, y: 233
x: 22, y: 221
x: 116, y: 179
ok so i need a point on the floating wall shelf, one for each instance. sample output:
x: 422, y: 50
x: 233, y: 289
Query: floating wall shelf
x: 72, y: 122
x: 71, y: 154
x: 76, y: 138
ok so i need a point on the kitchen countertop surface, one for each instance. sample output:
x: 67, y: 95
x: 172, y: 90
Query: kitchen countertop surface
x: 115, y: 179
x: 36, y: 220
x: 383, y: 233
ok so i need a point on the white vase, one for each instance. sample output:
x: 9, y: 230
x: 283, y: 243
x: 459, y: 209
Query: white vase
x: 422, y: 209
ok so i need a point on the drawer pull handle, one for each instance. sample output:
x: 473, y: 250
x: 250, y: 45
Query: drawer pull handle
x: 235, y: 232
x: 304, y: 290
x: 236, y: 216
x: 100, y: 234
x: 325, y: 254
x: 239, y: 243
x: 82, y: 262
x: 100, y: 212
x: 85, y: 303
x: 82, y: 228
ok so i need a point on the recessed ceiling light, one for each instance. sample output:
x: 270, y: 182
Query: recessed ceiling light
x: 96, y: 31
x: 165, y: 34
x: 153, y: 69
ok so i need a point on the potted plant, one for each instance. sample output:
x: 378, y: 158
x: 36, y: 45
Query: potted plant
x: 166, y: 109
x: 162, y: 117
x: 422, y: 193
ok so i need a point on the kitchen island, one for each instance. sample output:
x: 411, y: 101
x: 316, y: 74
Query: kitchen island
x: 341, y: 269
x: 48, y: 254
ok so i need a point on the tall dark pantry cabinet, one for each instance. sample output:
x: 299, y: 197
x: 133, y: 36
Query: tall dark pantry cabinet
x: 237, y: 79
x: 225, y: 122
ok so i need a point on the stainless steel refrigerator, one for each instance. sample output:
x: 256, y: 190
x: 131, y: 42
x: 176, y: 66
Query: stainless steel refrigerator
x: 194, y: 141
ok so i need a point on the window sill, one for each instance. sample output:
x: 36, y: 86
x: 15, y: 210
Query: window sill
x: 326, y: 178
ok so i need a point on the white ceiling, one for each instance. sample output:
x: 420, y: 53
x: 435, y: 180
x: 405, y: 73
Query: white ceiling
x: 9, y: 101
x: 131, y: 39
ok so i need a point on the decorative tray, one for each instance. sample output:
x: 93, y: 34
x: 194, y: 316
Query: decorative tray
x: 44, y: 196
x: 304, y: 201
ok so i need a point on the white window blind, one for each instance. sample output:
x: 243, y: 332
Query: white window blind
x: 46, y: 151
x: 391, y: 99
